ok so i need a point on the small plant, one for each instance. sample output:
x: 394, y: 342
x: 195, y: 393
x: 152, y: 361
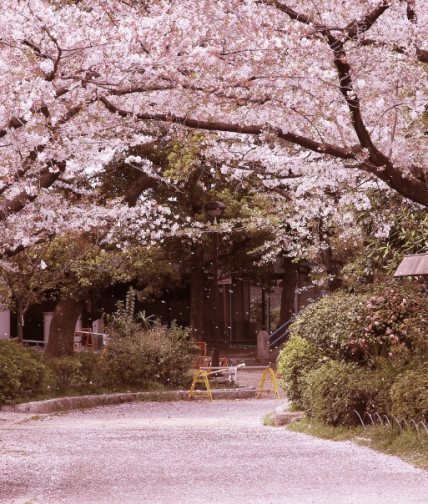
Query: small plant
x: 269, y: 419
x: 122, y: 323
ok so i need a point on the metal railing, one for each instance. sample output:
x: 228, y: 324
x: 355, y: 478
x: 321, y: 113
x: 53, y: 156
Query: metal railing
x: 391, y: 421
x: 281, y: 332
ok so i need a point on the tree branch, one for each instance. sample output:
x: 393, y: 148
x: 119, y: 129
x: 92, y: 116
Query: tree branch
x: 307, y: 143
x: 45, y: 179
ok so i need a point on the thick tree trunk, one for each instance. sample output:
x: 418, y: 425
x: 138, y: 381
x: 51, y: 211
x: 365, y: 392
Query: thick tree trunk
x: 197, y: 296
x: 63, y: 324
x: 289, y: 283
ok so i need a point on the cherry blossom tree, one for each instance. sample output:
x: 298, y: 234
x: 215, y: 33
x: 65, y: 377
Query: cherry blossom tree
x: 307, y: 96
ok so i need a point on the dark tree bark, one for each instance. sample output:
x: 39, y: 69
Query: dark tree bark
x: 63, y: 324
x: 197, y: 295
x: 142, y: 183
x: 289, y: 283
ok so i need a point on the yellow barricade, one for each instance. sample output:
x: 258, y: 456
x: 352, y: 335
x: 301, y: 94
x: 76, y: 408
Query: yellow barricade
x: 262, y: 390
x: 201, y: 376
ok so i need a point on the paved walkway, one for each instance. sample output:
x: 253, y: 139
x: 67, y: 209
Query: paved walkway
x: 191, y: 452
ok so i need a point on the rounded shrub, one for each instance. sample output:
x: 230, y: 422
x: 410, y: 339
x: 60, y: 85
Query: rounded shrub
x: 158, y: 354
x: 409, y: 394
x: 22, y: 372
x: 329, y: 322
x: 335, y: 392
x: 296, y: 359
x: 65, y: 371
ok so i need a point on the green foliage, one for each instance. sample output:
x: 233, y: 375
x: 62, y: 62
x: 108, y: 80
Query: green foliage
x: 395, y: 325
x: 407, y: 235
x: 298, y: 357
x: 22, y: 371
x: 122, y: 323
x: 256, y: 314
x: 183, y: 159
x: 140, y: 351
x: 91, y: 369
x: 328, y: 323
x: 269, y: 419
x: 410, y: 394
x: 336, y: 390
x: 65, y: 371
x: 361, y: 353
x: 156, y: 355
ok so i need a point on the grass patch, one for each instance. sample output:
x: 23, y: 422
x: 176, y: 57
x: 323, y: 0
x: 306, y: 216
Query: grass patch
x: 320, y: 430
x: 406, y: 444
x: 269, y: 419
x: 34, y: 418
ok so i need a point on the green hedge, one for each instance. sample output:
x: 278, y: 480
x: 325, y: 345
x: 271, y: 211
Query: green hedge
x: 160, y: 354
x: 298, y: 358
x: 409, y: 394
x: 335, y: 392
x: 364, y: 353
x: 22, y: 372
x: 139, y: 359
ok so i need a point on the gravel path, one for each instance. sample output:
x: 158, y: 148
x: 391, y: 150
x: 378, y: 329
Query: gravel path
x: 191, y: 452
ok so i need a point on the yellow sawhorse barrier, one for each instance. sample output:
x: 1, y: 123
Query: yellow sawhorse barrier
x: 262, y: 390
x: 201, y: 376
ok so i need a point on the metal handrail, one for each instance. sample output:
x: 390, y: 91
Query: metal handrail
x: 281, y: 332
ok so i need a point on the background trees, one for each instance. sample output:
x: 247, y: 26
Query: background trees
x: 311, y: 109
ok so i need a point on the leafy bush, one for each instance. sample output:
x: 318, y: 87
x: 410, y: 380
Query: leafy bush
x: 157, y: 355
x: 360, y: 328
x: 410, y: 394
x: 22, y: 371
x: 328, y: 323
x: 334, y: 392
x: 90, y: 371
x: 371, y: 342
x: 140, y: 351
x: 65, y: 371
x: 395, y: 325
x: 298, y: 357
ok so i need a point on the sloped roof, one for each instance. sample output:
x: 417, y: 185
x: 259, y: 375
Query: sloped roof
x: 413, y: 265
